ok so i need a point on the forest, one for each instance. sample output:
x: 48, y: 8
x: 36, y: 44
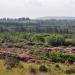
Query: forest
x: 63, y: 26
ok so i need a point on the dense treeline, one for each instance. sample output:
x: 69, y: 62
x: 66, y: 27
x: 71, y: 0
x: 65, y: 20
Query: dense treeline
x: 29, y: 25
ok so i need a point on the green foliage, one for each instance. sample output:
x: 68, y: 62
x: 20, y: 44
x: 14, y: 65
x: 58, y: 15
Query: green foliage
x: 61, y: 57
x: 54, y: 56
x: 28, y: 36
x: 69, y: 41
x: 38, y: 53
x: 40, y: 38
x: 11, y: 36
x: 37, y: 38
x: 55, y: 40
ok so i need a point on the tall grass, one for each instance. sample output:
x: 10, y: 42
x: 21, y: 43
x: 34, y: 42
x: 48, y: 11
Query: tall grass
x: 45, y: 38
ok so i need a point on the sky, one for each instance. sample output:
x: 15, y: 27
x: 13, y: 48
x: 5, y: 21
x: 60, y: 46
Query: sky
x: 36, y: 8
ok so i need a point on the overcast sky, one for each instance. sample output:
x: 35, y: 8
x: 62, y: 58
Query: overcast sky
x: 36, y: 8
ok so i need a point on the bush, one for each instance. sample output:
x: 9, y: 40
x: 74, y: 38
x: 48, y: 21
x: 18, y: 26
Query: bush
x: 47, y: 40
x: 11, y: 62
x: 37, y: 38
x: 28, y: 36
x: 43, y: 68
x: 61, y: 57
x: 33, y: 70
x: 58, y: 66
x: 69, y: 42
x: 11, y: 36
x: 55, y: 40
x: 70, y: 71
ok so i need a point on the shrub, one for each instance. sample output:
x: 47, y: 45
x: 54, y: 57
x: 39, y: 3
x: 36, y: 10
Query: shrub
x: 11, y: 62
x: 47, y: 40
x: 28, y: 36
x: 38, y: 53
x: 58, y: 66
x: 69, y: 42
x: 33, y: 70
x: 61, y: 57
x: 70, y: 71
x: 11, y: 36
x: 6, y: 36
x: 43, y: 68
x: 37, y: 38
x: 55, y: 40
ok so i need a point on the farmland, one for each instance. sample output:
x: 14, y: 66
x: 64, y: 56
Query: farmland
x: 37, y: 54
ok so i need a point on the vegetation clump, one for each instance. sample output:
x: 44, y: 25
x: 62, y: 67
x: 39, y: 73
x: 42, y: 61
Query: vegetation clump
x: 43, y: 68
x: 70, y: 71
x: 11, y: 62
x: 55, y: 40
x: 33, y: 70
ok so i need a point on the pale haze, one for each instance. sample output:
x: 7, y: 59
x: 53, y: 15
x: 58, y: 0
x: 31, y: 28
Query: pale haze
x: 36, y: 8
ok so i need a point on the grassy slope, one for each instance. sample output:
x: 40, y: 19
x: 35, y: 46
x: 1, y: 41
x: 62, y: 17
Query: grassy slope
x: 25, y: 71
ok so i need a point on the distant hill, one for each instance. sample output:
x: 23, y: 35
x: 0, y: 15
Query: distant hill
x: 56, y: 17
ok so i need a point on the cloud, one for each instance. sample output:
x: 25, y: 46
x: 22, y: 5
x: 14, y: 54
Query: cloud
x: 35, y: 8
x: 34, y: 3
x: 72, y: 1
